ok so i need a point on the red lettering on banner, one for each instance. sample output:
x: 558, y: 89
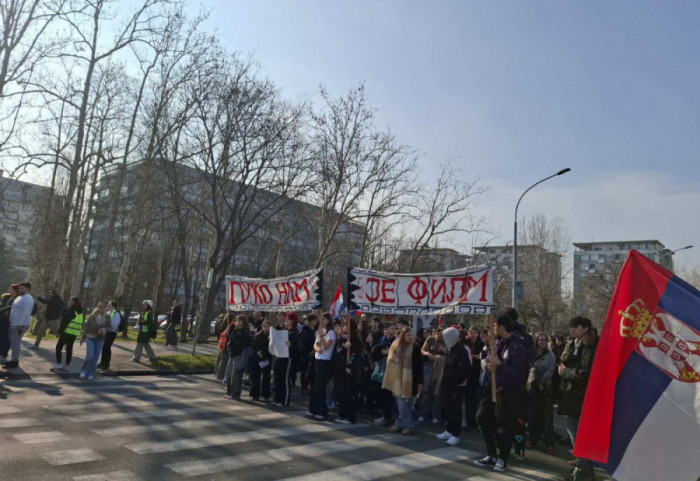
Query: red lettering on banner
x: 441, y: 289
x: 418, y: 290
x: 388, y: 287
x: 297, y: 287
x: 284, y: 290
x: 231, y: 297
x: 265, y: 294
x: 369, y: 295
x: 473, y: 284
x: 461, y: 291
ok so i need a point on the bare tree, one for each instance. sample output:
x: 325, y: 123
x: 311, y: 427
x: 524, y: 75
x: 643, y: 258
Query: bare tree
x: 544, y: 243
x: 443, y: 208
x: 364, y: 174
x: 690, y: 274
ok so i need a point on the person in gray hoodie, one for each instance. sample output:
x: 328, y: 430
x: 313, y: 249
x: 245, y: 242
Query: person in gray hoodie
x: 539, y: 389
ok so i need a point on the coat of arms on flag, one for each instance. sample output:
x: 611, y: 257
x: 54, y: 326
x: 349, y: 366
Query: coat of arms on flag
x: 641, y: 414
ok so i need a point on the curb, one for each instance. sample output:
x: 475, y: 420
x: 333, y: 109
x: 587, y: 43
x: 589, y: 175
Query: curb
x: 8, y: 376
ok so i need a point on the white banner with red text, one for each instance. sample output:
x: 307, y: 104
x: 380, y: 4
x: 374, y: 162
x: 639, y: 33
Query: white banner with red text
x: 460, y: 291
x: 297, y: 292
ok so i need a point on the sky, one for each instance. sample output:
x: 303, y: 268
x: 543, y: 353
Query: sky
x: 513, y: 92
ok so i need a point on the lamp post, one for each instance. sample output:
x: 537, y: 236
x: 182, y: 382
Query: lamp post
x: 670, y: 253
x: 515, y: 234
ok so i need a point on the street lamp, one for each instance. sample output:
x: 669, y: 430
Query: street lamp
x: 670, y: 253
x: 515, y: 235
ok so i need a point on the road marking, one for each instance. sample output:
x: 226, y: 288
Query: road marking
x: 9, y: 410
x: 40, y: 438
x: 232, y: 438
x: 19, y: 423
x: 113, y: 476
x: 71, y: 456
x: 157, y: 414
x: 539, y: 473
x: 193, y: 424
x: 386, y: 467
x: 280, y: 455
x: 62, y: 408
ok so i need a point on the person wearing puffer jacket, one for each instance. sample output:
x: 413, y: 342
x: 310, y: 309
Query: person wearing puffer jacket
x: 454, y: 383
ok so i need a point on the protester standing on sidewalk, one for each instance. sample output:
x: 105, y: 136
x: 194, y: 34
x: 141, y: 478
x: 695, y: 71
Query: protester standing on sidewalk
x: 20, y: 320
x: 7, y: 300
x: 174, y: 319
x: 70, y: 328
x: 143, y: 339
x: 403, y: 376
x: 575, y: 369
x: 307, y: 337
x: 434, y: 352
x: 52, y: 316
x: 323, y: 352
x: 283, y: 365
x: 471, y: 395
x: 94, y: 332
x: 348, y: 372
x: 115, y: 320
x: 239, y: 342
x: 384, y: 397
x: 261, y: 366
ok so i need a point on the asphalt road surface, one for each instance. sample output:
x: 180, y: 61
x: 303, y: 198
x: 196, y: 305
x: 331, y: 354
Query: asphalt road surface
x: 179, y: 427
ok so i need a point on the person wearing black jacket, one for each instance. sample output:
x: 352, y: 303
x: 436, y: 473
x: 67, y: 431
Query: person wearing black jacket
x: 384, y: 397
x: 238, y: 341
x: 260, y: 376
x: 174, y: 319
x: 348, y: 372
x: 52, y: 316
x: 307, y: 337
x: 5, y: 307
x: 454, y: 382
x: 471, y: 395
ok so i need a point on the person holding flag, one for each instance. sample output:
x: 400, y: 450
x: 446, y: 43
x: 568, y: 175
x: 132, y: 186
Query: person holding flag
x: 338, y: 305
x: 641, y: 415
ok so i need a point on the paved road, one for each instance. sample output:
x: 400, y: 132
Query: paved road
x: 179, y: 427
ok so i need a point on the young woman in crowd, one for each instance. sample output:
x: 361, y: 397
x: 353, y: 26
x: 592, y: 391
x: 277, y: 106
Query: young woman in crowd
x: 94, y: 331
x: 348, y: 373
x: 471, y: 396
x: 222, y: 356
x: 283, y: 365
x: 260, y: 376
x: 403, y: 376
x: 323, y: 352
x: 70, y: 328
x: 454, y: 382
x: 434, y: 353
x: 238, y: 342
x: 539, y: 388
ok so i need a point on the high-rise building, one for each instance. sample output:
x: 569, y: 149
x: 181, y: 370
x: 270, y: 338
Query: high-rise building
x: 597, y: 265
x: 20, y: 202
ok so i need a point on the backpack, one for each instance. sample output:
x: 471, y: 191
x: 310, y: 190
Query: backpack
x: 378, y: 373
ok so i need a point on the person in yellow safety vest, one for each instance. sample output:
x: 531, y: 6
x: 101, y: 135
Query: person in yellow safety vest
x: 70, y: 328
x: 143, y: 339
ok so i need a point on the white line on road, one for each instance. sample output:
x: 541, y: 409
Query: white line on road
x: 389, y: 466
x: 113, y: 476
x: 40, y: 438
x: 280, y: 455
x: 233, y: 438
x: 71, y: 456
x: 9, y: 410
x: 157, y: 414
x: 63, y: 408
x: 19, y: 423
x: 193, y: 424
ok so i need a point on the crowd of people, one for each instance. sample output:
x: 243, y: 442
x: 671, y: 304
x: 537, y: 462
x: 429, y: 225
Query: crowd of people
x: 96, y: 328
x: 441, y: 375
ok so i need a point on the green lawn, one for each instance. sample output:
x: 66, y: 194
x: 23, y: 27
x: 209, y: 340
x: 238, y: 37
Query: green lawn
x: 185, y: 362
x: 130, y: 337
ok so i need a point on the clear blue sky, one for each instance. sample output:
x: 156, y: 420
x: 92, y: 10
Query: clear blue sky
x: 514, y: 91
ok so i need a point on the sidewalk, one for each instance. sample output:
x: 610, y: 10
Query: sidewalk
x: 38, y: 362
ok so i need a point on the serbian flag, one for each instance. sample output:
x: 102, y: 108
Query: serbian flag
x: 641, y: 414
x: 337, y: 306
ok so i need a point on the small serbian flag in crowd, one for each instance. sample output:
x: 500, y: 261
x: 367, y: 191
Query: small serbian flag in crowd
x: 641, y: 414
x: 337, y: 306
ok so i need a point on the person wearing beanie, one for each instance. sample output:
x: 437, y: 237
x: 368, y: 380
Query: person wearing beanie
x: 454, y: 382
